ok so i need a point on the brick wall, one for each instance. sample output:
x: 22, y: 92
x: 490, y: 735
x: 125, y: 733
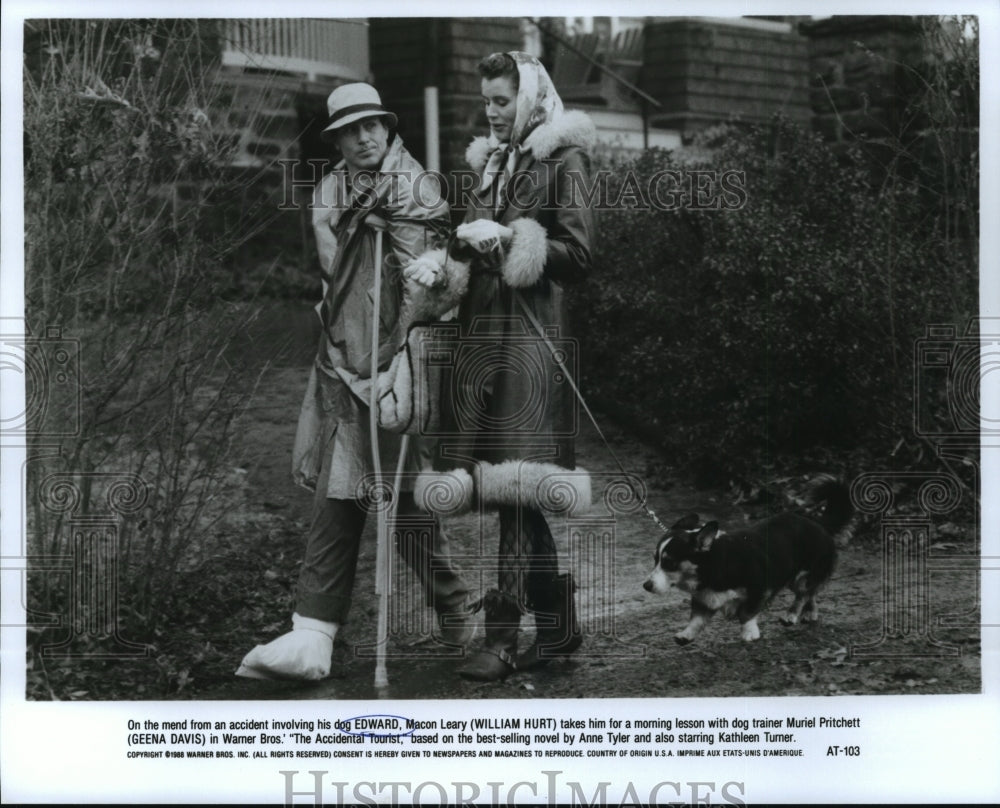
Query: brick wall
x: 861, y: 76
x: 703, y: 72
x: 273, y: 118
x: 401, y: 60
x: 410, y: 53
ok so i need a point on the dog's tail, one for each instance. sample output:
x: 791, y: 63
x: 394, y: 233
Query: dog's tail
x: 836, y: 500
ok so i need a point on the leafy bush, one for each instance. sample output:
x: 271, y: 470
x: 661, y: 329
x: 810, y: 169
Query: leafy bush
x: 781, y: 326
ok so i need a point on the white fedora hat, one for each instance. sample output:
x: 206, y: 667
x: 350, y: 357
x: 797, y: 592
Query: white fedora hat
x: 352, y: 102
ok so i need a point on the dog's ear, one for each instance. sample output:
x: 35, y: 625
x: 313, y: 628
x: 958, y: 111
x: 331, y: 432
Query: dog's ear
x: 689, y: 522
x: 706, y: 536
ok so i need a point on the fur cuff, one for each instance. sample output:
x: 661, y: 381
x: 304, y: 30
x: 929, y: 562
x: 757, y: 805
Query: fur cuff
x: 545, y: 486
x: 526, y: 254
x: 429, y: 303
x: 477, y: 154
x: 443, y: 494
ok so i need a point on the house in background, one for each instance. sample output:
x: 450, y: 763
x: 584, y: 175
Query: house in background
x: 695, y: 71
x: 646, y: 82
x: 655, y: 81
x: 690, y: 73
x: 273, y: 80
x: 425, y: 69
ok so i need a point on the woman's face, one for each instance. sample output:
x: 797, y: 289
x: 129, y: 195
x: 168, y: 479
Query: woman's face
x: 500, y: 98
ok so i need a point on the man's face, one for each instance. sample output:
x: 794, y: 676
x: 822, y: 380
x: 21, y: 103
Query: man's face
x: 363, y: 143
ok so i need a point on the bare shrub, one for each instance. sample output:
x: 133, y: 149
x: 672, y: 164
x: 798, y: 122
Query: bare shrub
x: 124, y: 176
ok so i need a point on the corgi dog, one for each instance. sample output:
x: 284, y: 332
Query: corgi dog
x: 738, y: 573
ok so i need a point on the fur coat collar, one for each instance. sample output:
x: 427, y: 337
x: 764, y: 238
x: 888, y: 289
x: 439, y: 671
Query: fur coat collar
x: 572, y: 128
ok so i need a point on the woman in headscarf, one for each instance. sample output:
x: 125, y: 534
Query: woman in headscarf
x: 510, y: 408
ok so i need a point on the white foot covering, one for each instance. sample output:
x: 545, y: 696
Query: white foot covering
x: 750, y: 631
x: 302, y: 653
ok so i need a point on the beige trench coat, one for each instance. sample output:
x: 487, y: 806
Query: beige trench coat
x: 333, y: 421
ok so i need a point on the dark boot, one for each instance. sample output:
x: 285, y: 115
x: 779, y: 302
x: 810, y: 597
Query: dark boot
x: 495, y: 660
x: 559, y: 633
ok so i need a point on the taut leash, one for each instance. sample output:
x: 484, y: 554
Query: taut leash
x: 576, y: 390
x: 569, y: 377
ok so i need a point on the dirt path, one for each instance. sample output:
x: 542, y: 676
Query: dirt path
x: 629, y: 649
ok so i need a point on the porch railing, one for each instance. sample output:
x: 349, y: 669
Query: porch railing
x: 316, y: 48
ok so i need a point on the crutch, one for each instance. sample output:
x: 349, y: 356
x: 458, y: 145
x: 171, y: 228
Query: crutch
x: 382, y: 582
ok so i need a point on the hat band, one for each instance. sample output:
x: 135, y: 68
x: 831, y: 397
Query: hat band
x: 351, y: 110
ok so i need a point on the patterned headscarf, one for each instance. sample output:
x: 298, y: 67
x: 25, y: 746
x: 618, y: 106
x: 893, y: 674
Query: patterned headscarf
x: 537, y: 103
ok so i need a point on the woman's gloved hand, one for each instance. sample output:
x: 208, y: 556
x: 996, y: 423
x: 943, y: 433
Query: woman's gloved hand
x: 424, y: 270
x: 484, y: 235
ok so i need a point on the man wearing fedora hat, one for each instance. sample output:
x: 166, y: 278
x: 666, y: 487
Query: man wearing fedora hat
x: 370, y: 189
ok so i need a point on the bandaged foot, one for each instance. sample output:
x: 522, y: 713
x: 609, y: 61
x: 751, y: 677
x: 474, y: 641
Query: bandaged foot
x: 302, y: 653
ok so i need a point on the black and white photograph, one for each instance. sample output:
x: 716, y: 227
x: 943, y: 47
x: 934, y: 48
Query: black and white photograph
x: 626, y: 375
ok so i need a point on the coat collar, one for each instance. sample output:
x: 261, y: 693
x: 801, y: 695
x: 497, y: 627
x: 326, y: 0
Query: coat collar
x: 569, y: 129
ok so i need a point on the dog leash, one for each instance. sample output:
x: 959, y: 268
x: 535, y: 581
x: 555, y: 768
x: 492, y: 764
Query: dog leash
x: 576, y: 390
x: 555, y: 357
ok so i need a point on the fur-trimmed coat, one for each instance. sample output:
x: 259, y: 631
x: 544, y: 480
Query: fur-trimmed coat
x: 510, y: 406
